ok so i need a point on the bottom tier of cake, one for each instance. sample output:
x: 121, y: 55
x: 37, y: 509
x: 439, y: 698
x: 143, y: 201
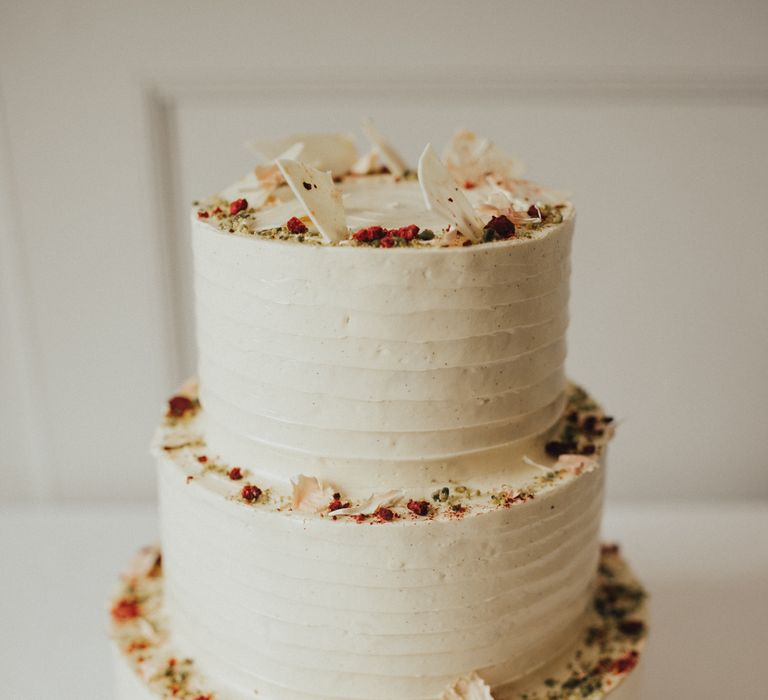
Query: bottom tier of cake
x: 603, y: 663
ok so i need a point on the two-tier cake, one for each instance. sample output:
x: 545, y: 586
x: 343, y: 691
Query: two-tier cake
x: 384, y: 486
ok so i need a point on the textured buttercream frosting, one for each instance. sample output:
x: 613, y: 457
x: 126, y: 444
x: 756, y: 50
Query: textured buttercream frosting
x: 380, y: 368
x: 601, y: 663
x: 383, y: 487
x: 327, y: 605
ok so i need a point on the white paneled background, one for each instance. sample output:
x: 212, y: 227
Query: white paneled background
x: 114, y: 116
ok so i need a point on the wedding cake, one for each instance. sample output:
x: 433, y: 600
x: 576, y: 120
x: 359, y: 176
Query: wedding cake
x: 381, y: 485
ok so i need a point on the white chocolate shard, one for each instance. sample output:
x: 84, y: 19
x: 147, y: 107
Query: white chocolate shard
x: 367, y: 163
x: 471, y: 158
x: 389, y: 156
x: 258, y: 185
x: 444, y: 196
x: 389, y: 499
x: 334, y: 152
x: 470, y: 687
x: 320, y: 198
x: 310, y: 494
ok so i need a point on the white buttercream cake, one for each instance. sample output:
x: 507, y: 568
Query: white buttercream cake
x: 381, y: 485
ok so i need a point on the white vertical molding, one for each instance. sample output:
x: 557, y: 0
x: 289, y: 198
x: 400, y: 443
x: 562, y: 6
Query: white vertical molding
x: 164, y: 160
x: 162, y: 157
x: 24, y: 450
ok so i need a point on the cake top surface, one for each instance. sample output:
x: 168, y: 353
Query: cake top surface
x: 316, y: 189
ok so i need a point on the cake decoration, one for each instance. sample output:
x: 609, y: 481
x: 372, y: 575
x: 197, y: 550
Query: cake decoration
x: 499, y: 228
x: 336, y: 153
x: 471, y: 159
x: 296, y: 225
x: 469, y: 687
x: 443, y: 195
x: 392, y: 160
x: 477, y: 183
x: 251, y: 493
x: 259, y: 185
x: 500, y: 202
x: 368, y: 163
x: 181, y: 406
x: 572, y: 463
x: 310, y: 494
x: 421, y: 508
x: 583, y: 425
x: 319, y: 196
x: 376, y: 503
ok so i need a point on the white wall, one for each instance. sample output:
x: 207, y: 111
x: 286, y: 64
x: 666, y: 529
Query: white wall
x: 113, y: 116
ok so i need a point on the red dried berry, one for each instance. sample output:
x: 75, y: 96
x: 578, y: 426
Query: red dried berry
x: 387, y: 241
x: 370, y: 234
x: 202, y: 459
x: 126, y: 609
x: 418, y: 507
x: 468, y: 184
x: 361, y: 518
x: 251, y: 493
x: 179, y: 405
x: 202, y: 214
x: 336, y: 504
x: 533, y: 212
x: 295, y: 225
x: 235, y: 474
x: 384, y: 514
x: 237, y: 206
x: 218, y: 210
x: 408, y: 232
x: 501, y: 226
x: 625, y: 663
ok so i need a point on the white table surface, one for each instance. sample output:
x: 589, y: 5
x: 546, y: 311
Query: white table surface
x: 705, y: 565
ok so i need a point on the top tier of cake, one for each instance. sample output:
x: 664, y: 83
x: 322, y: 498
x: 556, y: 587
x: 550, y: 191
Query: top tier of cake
x: 376, y: 365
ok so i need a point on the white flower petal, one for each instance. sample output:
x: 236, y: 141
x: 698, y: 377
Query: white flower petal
x: 471, y: 158
x: 310, y: 494
x: 470, y: 687
x: 576, y: 464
